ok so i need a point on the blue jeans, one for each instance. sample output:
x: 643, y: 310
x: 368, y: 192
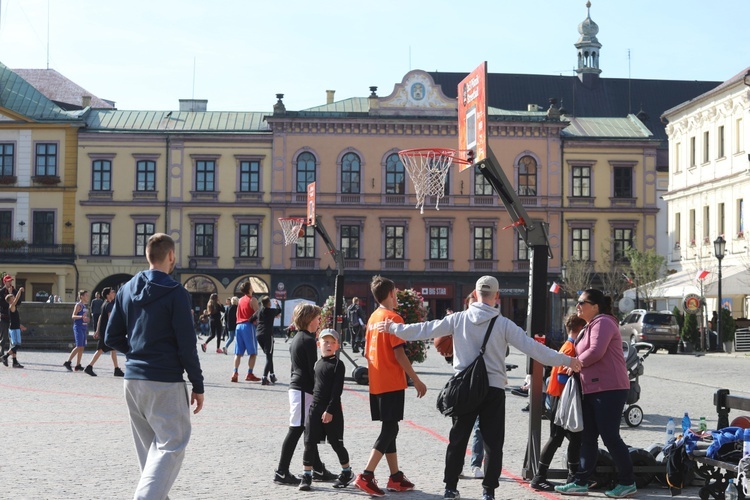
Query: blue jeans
x: 602, y: 412
x: 230, y: 338
x: 477, y: 446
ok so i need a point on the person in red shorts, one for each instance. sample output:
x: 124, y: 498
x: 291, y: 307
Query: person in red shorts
x: 388, y: 366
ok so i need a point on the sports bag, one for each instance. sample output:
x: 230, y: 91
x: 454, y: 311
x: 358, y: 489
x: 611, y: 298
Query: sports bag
x: 466, y: 390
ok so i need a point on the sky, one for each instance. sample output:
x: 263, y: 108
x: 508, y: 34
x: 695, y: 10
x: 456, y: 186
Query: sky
x: 238, y: 54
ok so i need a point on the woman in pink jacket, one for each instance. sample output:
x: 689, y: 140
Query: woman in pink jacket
x: 605, y: 386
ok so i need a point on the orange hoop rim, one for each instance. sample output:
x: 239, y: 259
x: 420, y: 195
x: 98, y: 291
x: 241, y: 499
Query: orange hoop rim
x: 296, y: 219
x: 454, y: 154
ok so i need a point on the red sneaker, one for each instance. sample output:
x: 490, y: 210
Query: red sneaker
x: 399, y: 482
x: 369, y: 485
x: 251, y: 378
x: 219, y: 351
x: 234, y: 377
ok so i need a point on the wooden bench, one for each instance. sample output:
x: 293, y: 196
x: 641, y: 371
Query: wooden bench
x: 717, y: 473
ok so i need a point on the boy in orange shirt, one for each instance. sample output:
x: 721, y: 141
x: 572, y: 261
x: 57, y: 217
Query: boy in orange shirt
x: 388, y: 366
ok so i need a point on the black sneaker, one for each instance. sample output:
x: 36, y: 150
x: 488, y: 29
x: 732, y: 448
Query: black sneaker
x: 305, y: 482
x: 118, y: 372
x: 344, y: 479
x: 324, y: 475
x: 273, y: 378
x: 4, y: 359
x: 79, y: 368
x: 16, y: 364
x: 488, y: 495
x: 265, y: 381
x: 89, y: 370
x: 285, y: 478
x: 541, y: 484
x: 519, y: 391
x: 451, y: 494
x: 67, y: 366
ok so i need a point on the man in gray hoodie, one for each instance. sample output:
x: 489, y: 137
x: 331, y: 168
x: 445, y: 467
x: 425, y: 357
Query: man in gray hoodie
x: 468, y: 329
x: 151, y: 323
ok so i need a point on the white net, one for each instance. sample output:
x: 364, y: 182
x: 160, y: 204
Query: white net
x: 427, y: 169
x: 292, y: 228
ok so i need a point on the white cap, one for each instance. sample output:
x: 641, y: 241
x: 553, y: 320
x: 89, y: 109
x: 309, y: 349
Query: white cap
x: 487, y: 285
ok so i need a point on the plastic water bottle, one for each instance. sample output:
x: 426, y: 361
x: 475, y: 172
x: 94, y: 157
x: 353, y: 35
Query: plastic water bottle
x: 731, y: 492
x: 670, y: 431
x: 703, y: 426
x: 686, y: 424
x: 746, y: 444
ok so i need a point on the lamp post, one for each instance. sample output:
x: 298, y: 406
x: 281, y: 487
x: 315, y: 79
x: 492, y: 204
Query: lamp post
x: 564, y: 276
x: 720, y: 245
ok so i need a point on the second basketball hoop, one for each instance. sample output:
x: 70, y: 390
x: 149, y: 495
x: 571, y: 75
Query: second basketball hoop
x: 427, y: 169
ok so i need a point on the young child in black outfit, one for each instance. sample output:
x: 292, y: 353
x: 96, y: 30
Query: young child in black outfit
x: 326, y: 417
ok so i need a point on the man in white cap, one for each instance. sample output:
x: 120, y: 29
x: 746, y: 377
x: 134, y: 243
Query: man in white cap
x: 468, y: 329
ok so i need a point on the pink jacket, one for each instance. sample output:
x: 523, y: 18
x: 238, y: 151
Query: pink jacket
x: 599, y: 347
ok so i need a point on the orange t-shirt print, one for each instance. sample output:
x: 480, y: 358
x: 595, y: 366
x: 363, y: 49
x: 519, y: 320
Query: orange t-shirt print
x: 385, y: 374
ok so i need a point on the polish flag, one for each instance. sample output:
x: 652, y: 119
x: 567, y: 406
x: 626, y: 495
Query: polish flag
x: 702, y: 274
x: 627, y: 278
x: 555, y: 288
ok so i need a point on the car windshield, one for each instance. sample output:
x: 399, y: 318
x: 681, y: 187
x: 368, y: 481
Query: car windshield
x: 658, y: 319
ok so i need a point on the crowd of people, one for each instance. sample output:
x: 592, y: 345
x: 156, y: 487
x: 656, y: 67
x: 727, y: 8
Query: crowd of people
x: 149, y: 320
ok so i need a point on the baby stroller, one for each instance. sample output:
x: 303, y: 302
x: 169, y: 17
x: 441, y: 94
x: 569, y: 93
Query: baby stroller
x: 633, y: 413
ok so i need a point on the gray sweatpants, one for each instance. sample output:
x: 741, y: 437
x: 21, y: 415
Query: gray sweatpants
x: 160, y: 421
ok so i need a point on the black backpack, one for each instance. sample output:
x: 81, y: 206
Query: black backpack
x: 466, y: 390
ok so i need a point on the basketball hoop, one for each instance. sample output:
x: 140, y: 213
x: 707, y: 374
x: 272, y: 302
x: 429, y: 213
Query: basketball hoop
x: 293, y: 229
x: 427, y: 169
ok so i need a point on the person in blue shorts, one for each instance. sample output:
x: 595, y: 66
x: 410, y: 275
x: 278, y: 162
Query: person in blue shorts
x: 246, y: 341
x: 80, y: 330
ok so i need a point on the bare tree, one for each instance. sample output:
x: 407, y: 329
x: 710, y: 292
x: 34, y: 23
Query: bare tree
x: 578, y: 275
x: 648, y: 271
x: 612, y: 274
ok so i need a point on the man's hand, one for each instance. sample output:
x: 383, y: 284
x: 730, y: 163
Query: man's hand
x: 198, y: 400
x: 575, y: 364
x: 419, y: 386
x: 383, y: 326
x: 327, y: 417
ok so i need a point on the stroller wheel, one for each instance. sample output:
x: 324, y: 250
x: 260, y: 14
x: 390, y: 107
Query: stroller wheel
x: 633, y: 415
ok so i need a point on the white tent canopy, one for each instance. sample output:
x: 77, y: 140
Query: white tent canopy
x: 735, y: 281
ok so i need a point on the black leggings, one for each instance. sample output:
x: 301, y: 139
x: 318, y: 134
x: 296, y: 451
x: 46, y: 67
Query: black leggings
x: 287, y: 450
x: 386, y: 441
x: 265, y: 341
x: 556, y: 436
x: 215, y: 332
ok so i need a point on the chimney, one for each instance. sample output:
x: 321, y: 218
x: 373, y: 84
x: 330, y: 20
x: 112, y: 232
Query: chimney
x: 85, y: 101
x: 193, y: 104
x: 329, y: 96
x: 532, y: 107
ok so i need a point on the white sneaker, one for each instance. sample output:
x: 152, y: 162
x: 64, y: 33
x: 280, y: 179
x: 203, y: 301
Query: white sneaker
x: 477, y: 472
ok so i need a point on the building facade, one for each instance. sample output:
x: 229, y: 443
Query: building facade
x: 709, y: 183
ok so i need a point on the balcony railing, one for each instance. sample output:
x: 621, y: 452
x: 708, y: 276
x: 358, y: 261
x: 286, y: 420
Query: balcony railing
x: 34, y: 253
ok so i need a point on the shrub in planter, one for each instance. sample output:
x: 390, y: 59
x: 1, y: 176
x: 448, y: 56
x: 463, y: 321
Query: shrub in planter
x: 728, y: 326
x: 689, y: 333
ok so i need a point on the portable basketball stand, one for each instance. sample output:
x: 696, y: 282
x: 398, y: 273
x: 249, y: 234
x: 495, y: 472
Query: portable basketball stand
x: 427, y: 169
x: 291, y: 230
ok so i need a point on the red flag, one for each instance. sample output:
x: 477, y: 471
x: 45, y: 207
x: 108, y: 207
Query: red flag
x: 702, y: 274
x: 555, y: 288
x: 630, y: 281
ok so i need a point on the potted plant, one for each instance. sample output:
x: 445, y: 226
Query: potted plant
x: 411, y: 309
x: 689, y: 333
x: 728, y: 328
x: 12, y: 244
x: 326, y: 313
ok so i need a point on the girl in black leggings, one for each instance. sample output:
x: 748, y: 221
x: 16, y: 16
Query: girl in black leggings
x: 264, y: 332
x: 214, y: 310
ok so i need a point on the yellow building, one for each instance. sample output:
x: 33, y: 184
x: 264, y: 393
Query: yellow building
x: 200, y: 176
x: 38, y: 183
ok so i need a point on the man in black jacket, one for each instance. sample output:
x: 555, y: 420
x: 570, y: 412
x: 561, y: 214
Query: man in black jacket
x: 357, y: 321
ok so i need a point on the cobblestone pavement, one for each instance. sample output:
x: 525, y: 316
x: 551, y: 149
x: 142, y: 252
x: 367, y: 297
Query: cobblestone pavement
x: 66, y: 435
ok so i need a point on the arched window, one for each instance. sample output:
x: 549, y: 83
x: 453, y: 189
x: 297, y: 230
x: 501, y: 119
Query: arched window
x: 305, y: 292
x: 350, y: 173
x: 305, y: 171
x: 395, y: 180
x: 527, y: 176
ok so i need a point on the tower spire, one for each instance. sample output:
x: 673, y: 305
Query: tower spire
x: 588, y: 47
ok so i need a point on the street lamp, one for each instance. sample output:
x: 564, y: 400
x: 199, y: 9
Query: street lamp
x: 720, y: 245
x: 564, y: 276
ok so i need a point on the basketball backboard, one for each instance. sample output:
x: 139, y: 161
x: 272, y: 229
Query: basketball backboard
x: 311, y: 204
x: 472, y: 114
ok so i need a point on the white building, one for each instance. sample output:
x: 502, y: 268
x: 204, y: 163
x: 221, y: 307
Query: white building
x: 709, y: 187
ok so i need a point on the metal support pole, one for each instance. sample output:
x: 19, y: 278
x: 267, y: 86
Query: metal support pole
x: 338, y: 294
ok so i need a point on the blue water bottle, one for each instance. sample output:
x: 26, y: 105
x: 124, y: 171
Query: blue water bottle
x: 686, y: 423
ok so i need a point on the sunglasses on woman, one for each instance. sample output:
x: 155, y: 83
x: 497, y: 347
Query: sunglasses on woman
x: 581, y: 302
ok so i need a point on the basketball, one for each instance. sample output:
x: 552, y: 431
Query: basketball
x: 742, y: 421
x: 301, y: 232
x: 444, y: 345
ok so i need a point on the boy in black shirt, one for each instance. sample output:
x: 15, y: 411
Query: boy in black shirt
x: 326, y: 417
x: 14, y: 329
